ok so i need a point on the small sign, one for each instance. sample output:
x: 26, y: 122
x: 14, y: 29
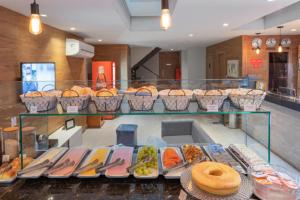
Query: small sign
x: 182, y: 195
x: 5, y: 158
x: 72, y: 109
x: 33, y: 109
x: 250, y: 108
x: 212, y: 108
x: 13, y: 121
x: 256, y: 63
x: 69, y: 124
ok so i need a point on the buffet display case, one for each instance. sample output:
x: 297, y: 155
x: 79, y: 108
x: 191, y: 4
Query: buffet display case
x: 187, y: 92
x: 207, y: 104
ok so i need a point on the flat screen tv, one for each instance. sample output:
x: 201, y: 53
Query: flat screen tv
x: 37, y: 77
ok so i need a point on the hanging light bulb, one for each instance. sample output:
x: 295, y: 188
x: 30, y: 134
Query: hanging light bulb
x: 35, y: 24
x: 165, y: 18
x: 257, y: 50
x: 280, y: 49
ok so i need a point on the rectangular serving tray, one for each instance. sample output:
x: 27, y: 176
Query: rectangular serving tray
x: 38, y: 173
x: 173, y: 174
x: 153, y: 175
x: 86, y: 161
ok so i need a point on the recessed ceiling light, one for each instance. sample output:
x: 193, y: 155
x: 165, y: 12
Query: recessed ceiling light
x: 43, y: 15
x: 225, y: 24
x: 293, y: 30
x: 72, y: 28
x: 191, y: 35
x: 100, y: 40
x: 172, y: 49
x: 270, y: 0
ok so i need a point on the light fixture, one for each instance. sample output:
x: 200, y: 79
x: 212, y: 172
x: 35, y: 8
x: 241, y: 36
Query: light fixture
x: 72, y: 28
x: 172, y: 49
x: 43, y: 15
x: 35, y: 24
x: 165, y: 18
x: 225, y: 25
x: 100, y: 40
x: 293, y: 30
x: 258, y: 44
x: 191, y: 35
x: 257, y: 50
x: 280, y: 49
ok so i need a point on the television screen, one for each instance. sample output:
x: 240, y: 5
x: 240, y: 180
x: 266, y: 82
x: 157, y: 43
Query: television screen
x: 37, y: 77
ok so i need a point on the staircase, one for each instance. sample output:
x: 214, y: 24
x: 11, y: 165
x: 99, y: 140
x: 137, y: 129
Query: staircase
x: 142, y: 62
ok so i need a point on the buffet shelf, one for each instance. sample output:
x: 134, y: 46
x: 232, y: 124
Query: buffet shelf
x: 158, y: 109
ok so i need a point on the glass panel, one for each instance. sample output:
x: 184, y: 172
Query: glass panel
x: 237, y: 124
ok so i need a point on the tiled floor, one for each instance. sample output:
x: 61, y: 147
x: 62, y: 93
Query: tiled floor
x: 149, y: 127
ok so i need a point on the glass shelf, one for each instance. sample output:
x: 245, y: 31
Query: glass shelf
x: 158, y: 109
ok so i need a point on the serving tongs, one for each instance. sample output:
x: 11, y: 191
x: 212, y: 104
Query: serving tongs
x: 65, y: 164
x: 136, y: 165
x: 117, y: 162
x: 176, y: 167
x: 89, y: 166
x: 183, y: 164
x: 45, y: 163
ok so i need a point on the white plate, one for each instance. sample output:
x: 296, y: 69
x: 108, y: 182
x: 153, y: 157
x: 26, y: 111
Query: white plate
x: 86, y: 161
x: 125, y: 175
x: 153, y: 175
x: 42, y: 158
x: 67, y: 175
x: 176, y: 173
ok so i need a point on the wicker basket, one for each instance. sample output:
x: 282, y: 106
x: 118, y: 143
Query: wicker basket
x: 141, y: 101
x: 81, y: 102
x: 42, y: 103
x: 107, y: 103
x: 204, y: 98
x: 248, y: 97
x: 176, y: 102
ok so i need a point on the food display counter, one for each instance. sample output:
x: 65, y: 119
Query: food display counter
x: 149, y: 171
x: 48, y: 183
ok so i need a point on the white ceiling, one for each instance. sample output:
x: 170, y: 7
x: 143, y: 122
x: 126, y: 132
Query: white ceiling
x: 139, y: 8
x: 103, y: 19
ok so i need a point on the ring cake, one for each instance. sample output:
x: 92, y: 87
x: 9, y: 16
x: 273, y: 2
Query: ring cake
x: 216, y: 178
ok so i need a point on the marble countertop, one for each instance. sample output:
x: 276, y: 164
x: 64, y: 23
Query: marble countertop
x: 94, y: 189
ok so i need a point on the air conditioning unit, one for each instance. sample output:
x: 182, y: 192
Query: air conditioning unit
x: 76, y: 48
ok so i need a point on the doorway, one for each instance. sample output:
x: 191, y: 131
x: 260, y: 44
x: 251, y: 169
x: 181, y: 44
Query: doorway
x: 169, y: 66
x: 278, y: 72
x: 168, y: 63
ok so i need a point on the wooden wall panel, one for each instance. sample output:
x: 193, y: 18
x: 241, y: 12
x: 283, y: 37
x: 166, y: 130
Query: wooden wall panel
x: 18, y: 45
x: 240, y: 48
x: 263, y: 70
x: 217, y: 56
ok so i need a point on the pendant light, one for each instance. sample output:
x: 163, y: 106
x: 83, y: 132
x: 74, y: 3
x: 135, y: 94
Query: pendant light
x: 280, y: 49
x: 165, y: 18
x: 35, y: 24
x: 257, y: 50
